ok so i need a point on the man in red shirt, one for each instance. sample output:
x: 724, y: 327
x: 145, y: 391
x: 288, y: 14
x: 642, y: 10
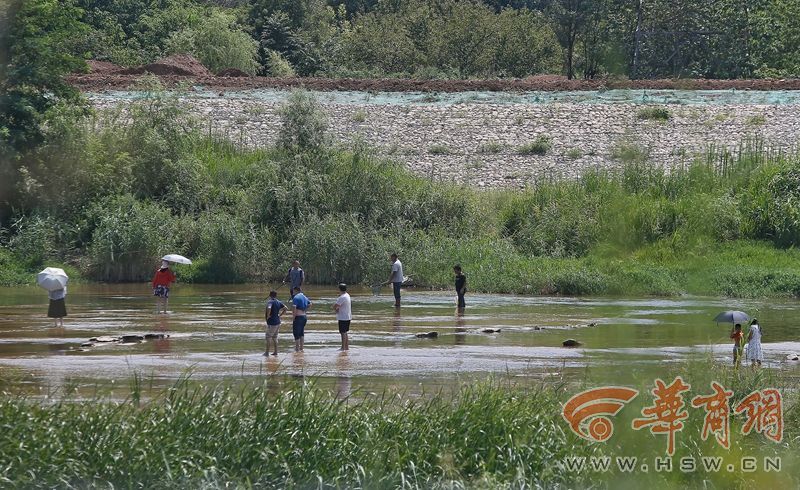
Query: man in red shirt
x: 161, y: 282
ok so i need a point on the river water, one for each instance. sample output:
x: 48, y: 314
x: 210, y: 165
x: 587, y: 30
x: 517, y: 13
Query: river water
x: 216, y: 335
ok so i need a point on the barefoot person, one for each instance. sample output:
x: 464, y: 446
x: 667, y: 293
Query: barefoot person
x: 301, y: 305
x: 343, y: 315
x: 57, y: 308
x: 396, y: 278
x: 754, y: 353
x: 296, y: 277
x: 273, y: 313
x: 461, y: 285
x: 161, y: 282
x: 736, y: 335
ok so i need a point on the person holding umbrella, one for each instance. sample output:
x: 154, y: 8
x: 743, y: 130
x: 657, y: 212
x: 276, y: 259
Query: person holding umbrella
x: 162, y: 280
x: 55, y: 280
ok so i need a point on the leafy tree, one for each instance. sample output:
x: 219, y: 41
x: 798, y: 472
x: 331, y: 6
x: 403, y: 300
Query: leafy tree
x: 218, y: 44
x: 526, y: 44
x: 36, y: 53
x: 466, y: 39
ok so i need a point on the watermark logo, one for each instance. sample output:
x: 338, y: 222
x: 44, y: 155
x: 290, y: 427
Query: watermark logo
x: 667, y: 413
x: 587, y: 412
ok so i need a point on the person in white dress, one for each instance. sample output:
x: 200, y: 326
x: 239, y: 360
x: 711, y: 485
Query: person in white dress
x: 754, y: 353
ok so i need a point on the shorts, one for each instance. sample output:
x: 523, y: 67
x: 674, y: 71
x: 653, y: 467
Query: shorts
x: 299, y: 326
x: 735, y: 352
x: 161, y: 291
x: 344, y: 326
x: 396, y: 287
x: 57, y: 308
x: 272, y: 331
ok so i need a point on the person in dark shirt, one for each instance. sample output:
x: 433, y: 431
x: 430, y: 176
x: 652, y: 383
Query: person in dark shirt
x: 461, y: 285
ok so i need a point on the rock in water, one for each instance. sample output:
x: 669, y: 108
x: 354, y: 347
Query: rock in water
x: 490, y: 330
x: 131, y: 338
x: 155, y: 336
x: 427, y: 335
x: 571, y: 343
x: 793, y: 357
x: 104, y: 338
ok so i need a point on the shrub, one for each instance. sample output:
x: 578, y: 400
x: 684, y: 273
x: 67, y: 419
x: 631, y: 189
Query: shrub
x: 540, y: 146
x: 439, y: 149
x: 331, y: 248
x: 229, y: 249
x: 304, y: 124
x: 653, y: 114
x: 129, y: 237
x: 574, y: 153
x: 278, y: 66
x: 491, y: 147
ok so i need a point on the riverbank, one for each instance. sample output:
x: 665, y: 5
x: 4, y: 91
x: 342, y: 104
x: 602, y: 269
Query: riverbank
x: 487, y: 435
x: 513, y: 140
x: 111, y: 79
x: 149, y: 180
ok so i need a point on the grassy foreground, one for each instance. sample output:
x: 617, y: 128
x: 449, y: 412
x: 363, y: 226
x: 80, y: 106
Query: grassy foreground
x: 490, y: 435
x: 110, y: 196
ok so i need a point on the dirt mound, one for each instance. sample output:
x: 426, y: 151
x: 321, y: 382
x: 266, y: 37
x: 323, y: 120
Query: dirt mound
x: 102, y: 67
x: 232, y: 72
x: 176, y: 69
x: 178, y: 64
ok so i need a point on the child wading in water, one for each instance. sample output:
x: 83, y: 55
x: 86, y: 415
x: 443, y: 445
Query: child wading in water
x: 275, y: 309
x: 754, y: 353
x: 736, y: 335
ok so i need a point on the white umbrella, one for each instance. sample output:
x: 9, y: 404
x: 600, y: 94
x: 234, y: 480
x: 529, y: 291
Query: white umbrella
x: 52, y: 279
x: 178, y: 259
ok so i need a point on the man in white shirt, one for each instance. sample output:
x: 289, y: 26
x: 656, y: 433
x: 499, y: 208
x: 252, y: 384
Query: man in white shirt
x: 343, y: 315
x: 396, y: 278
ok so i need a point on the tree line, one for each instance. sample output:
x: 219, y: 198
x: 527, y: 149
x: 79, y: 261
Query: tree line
x: 453, y: 38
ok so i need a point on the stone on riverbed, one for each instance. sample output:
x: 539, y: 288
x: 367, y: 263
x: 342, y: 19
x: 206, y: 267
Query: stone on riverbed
x: 571, y: 343
x: 793, y: 357
x: 127, y: 339
x: 104, y: 338
x: 155, y: 336
x: 490, y: 330
x: 427, y: 335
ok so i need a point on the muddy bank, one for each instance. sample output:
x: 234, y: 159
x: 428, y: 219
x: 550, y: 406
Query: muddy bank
x: 116, y: 80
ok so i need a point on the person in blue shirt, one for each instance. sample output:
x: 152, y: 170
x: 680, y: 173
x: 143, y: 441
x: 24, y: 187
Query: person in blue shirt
x: 296, y: 277
x: 301, y: 305
x: 274, y: 310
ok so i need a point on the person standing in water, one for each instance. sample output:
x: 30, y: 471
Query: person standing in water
x: 162, y: 280
x: 754, y: 353
x: 301, y: 305
x: 57, y: 309
x: 296, y: 277
x: 736, y: 335
x: 396, y: 278
x: 275, y: 309
x: 343, y: 315
x: 461, y: 285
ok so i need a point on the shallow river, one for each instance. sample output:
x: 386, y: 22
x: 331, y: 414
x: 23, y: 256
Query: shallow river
x: 216, y: 334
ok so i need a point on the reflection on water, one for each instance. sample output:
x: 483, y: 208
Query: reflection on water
x: 217, y: 333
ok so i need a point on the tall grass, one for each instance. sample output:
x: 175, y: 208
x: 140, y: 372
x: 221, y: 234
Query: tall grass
x: 487, y: 435
x: 302, y: 437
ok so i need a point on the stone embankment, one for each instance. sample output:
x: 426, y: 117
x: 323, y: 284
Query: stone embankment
x: 489, y: 144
